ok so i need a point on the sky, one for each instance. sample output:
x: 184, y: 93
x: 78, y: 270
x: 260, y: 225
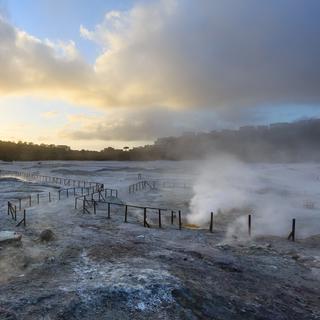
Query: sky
x: 98, y: 73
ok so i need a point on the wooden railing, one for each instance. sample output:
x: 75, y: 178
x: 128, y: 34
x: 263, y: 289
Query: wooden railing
x: 49, y: 179
x: 12, y: 210
x: 142, y: 185
x: 93, y: 204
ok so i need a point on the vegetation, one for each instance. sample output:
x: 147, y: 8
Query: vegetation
x: 298, y: 141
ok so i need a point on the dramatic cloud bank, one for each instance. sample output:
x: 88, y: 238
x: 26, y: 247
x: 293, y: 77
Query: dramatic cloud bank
x: 176, y: 53
x: 29, y: 65
x: 127, y: 124
x: 230, y: 53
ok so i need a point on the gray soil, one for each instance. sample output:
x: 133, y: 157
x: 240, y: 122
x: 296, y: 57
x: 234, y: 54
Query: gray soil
x: 99, y: 268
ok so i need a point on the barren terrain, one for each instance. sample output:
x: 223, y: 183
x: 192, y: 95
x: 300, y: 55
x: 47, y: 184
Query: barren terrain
x: 100, y: 268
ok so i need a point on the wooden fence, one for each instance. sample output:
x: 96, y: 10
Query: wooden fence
x: 12, y: 210
x: 20, y: 204
x: 102, y: 195
x: 90, y: 205
x: 176, y: 184
x: 142, y: 185
x: 86, y: 192
x: 29, y: 176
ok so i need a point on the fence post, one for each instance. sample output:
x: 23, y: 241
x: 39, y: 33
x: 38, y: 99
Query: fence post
x: 211, y: 222
x: 145, y: 217
x: 160, y: 218
x: 38, y: 198
x: 292, y: 234
x: 24, y: 217
x: 49, y: 196
x: 94, y: 207
x: 249, y: 225
x: 293, y: 229
x: 126, y: 214
x: 30, y: 200
x: 108, y: 210
x: 171, y: 216
x: 180, y: 224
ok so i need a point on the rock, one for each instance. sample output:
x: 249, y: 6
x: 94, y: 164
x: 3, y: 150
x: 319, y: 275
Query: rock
x: 261, y: 247
x: 46, y: 235
x: 223, y: 246
x: 228, y: 266
x: 7, y: 314
x: 141, y: 306
x: 50, y: 259
x: 9, y: 237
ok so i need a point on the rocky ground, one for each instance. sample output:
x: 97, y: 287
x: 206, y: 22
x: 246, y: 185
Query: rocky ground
x: 92, y: 267
x: 70, y: 265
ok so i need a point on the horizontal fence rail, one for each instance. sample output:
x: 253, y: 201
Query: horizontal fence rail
x: 12, y: 210
x: 176, y: 184
x: 90, y: 201
x: 142, y: 185
x: 91, y: 194
x: 89, y: 204
x: 49, y: 179
x: 102, y: 195
x: 46, y: 197
x: 20, y: 204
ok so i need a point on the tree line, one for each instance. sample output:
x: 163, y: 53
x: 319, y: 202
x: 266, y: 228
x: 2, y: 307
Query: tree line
x: 280, y: 142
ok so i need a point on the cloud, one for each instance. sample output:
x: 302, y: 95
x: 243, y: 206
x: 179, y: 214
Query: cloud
x: 217, y: 54
x: 29, y: 65
x: 141, y: 125
x: 177, y: 53
x: 49, y: 114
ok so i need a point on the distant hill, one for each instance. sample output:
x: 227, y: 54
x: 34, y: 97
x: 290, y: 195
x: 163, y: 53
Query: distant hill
x: 297, y: 141
x: 280, y: 142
